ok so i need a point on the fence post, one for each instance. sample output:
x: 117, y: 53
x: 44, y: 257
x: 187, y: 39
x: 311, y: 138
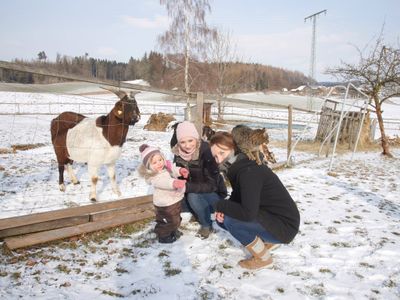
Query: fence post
x: 199, y: 117
x: 219, y: 113
x: 290, y: 121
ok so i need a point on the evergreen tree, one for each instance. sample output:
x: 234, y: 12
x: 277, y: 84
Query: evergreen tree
x: 42, y: 56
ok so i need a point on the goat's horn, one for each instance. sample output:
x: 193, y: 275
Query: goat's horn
x: 133, y: 93
x: 108, y: 89
x: 121, y: 94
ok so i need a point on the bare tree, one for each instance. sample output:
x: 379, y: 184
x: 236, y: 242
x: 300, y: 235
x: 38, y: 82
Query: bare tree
x: 378, y: 72
x: 188, y: 32
x: 221, y: 53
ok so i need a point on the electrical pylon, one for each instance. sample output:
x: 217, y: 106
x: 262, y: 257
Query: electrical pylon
x: 313, y: 17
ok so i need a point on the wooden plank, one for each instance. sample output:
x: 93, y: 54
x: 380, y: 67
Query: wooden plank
x: 71, y: 212
x: 117, y: 212
x: 56, y: 234
x: 329, y: 130
x: 343, y: 135
x: 48, y: 225
x: 321, y: 124
x: 71, y: 221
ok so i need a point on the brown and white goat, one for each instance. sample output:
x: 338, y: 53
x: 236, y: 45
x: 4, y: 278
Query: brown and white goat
x: 93, y: 141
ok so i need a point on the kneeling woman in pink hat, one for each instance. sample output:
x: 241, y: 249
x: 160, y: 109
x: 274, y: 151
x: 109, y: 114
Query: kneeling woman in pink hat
x: 205, y: 186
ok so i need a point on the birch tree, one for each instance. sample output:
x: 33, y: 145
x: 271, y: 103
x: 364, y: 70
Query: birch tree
x: 188, y: 32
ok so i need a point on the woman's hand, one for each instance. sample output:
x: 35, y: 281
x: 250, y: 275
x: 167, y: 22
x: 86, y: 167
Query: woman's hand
x: 219, y: 216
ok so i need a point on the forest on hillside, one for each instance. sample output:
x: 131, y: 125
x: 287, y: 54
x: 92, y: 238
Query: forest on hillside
x: 160, y: 72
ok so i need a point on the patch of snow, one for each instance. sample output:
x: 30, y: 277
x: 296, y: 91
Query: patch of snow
x: 298, y: 89
x: 139, y: 82
x: 347, y: 247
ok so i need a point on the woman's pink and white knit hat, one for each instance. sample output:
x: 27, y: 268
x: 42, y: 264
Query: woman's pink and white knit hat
x: 186, y: 129
x: 147, y: 152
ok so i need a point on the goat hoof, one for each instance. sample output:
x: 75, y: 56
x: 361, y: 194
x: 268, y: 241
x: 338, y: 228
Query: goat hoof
x: 62, y: 187
x: 93, y: 199
x: 77, y: 182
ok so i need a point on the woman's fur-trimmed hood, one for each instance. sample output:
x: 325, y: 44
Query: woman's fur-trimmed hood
x: 195, y: 156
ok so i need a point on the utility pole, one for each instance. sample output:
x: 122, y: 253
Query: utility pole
x: 313, y: 17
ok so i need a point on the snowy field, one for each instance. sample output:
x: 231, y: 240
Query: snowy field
x: 347, y: 248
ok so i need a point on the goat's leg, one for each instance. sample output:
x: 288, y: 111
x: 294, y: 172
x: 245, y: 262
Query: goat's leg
x: 111, y: 174
x: 61, y: 177
x: 93, y: 181
x: 71, y: 174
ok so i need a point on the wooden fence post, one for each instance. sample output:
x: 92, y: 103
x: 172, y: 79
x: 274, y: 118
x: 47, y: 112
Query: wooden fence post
x: 199, y: 117
x: 290, y: 121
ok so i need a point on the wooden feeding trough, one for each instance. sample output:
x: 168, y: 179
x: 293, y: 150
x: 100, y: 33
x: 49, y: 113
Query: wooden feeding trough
x: 350, y: 125
x: 33, y: 229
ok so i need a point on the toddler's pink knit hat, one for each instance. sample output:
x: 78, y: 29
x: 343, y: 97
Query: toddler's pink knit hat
x: 186, y: 129
x: 147, y: 152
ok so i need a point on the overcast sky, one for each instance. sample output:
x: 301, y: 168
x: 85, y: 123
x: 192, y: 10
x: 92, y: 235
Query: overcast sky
x: 267, y: 32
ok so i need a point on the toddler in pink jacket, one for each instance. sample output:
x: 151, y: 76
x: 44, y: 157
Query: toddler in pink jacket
x: 168, y: 191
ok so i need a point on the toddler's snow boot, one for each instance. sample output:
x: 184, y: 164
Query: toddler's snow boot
x: 178, y: 233
x: 167, y: 239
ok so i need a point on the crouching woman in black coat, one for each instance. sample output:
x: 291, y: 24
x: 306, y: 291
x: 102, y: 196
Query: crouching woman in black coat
x: 260, y: 213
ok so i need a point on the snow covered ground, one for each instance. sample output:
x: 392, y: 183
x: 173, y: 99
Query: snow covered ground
x: 347, y: 248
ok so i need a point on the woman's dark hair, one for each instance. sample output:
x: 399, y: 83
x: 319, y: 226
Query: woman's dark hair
x: 224, y: 139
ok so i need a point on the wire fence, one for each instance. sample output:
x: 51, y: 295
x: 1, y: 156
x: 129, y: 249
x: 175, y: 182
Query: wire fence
x: 38, y: 104
x: 55, y: 108
x: 266, y: 117
x: 28, y: 122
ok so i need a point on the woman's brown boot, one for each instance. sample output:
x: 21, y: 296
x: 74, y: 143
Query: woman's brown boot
x: 261, y: 258
x: 271, y: 247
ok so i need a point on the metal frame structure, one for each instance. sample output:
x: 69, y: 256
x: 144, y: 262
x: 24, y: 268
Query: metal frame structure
x: 343, y: 114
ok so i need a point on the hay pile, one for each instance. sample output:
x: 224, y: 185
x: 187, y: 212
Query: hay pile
x: 395, y: 141
x: 365, y: 135
x: 159, y: 122
x: 20, y: 147
x: 24, y: 147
